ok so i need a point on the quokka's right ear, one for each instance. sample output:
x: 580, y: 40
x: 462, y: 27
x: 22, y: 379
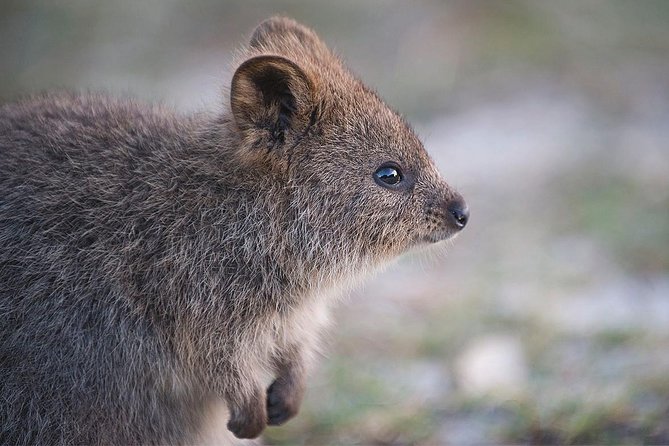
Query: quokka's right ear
x: 271, y: 99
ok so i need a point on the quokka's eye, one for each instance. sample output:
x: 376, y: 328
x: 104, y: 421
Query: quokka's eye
x: 388, y: 175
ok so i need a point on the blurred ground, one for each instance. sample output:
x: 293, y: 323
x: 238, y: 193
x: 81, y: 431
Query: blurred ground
x: 547, y: 320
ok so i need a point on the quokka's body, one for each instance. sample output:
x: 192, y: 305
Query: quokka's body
x: 152, y: 264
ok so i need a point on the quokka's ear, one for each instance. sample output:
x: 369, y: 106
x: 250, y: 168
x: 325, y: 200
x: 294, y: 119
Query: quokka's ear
x: 281, y: 35
x: 271, y: 97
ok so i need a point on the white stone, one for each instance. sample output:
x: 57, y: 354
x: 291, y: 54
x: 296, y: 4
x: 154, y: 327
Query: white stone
x: 494, y: 365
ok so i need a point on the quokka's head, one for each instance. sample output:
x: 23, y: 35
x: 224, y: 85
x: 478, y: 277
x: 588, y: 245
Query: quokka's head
x: 355, y: 174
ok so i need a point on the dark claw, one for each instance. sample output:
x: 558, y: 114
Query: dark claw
x: 246, y: 425
x: 281, y: 406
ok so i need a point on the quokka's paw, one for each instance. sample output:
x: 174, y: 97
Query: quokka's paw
x: 248, y: 422
x: 283, y: 401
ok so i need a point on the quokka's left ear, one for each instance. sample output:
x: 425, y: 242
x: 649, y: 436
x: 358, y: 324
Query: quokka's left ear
x: 285, y: 36
x: 271, y: 99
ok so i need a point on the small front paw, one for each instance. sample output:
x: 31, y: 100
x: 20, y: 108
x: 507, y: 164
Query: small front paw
x: 247, y: 423
x: 283, y: 402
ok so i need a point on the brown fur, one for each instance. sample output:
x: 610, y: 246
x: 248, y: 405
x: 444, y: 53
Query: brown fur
x: 152, y: 263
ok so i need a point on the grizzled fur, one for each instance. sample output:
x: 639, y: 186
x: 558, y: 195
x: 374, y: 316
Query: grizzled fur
x: 152, y: 263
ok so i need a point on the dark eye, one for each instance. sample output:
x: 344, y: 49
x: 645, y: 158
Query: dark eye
x: 388, y: 175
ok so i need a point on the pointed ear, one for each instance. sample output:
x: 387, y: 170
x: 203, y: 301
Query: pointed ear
x: 284, y: 36
x: 272, y: 97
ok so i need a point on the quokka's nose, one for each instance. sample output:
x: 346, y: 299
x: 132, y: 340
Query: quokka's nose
x: 458, y: 213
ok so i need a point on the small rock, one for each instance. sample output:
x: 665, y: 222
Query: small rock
x: 494, y: 365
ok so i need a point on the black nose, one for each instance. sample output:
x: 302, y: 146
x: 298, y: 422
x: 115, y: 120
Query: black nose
x: 459, y: 212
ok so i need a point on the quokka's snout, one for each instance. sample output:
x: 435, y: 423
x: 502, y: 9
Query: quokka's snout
x: 457, y: 213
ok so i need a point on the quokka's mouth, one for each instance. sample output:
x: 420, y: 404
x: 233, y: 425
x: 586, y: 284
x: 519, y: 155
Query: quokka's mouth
x: 438, y: 236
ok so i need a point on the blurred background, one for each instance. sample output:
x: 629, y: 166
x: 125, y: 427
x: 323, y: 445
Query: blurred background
x: 547, y: 320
